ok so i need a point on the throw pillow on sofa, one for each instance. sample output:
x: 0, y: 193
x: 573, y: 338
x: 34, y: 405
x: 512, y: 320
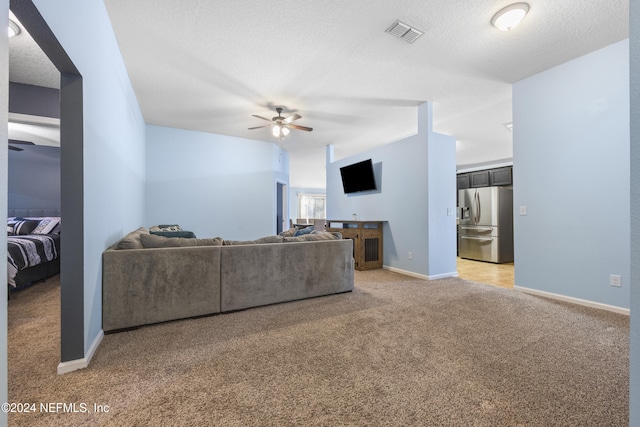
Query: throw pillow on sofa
x: 155, y: 241
x: 170, y: 230
x: 303, y: 231
x: 288, y: 233
x: 132, y: 240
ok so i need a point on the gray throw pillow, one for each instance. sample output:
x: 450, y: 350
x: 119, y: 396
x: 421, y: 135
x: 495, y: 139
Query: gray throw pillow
x: 132, y: 240
x: 153, y: 241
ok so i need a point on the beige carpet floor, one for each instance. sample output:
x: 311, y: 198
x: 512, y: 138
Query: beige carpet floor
x: 396, y: 351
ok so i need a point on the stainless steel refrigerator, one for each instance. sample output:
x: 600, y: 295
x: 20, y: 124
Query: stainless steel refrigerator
x: 485, y: 230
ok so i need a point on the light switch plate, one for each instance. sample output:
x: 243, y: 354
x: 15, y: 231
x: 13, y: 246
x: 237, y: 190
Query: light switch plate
x: 523, y: 210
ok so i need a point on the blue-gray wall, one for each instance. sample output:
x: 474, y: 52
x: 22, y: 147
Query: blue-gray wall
x: 416, y: 195
x: 34, y: 100
x: 34, y: 177
x: 634, y: 36
x: 34, y: 172
x: 213, y: 185
x: 113, y: 151
x: 571, y: 170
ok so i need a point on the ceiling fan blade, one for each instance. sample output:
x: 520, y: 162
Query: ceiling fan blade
x: 258, y: 127
x: 11, y: 147
x: 18, y: 141
x: 300, y: 127
x: 260, y: 117
x: 292, y: 118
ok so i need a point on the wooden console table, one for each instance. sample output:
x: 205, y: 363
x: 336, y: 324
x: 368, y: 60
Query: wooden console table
x: 367, y: 241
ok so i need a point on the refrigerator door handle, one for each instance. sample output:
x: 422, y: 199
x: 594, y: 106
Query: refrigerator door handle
x: 483, y: 239
x: 476, y: 228
x: 479, y: 211
x: 475, y: 208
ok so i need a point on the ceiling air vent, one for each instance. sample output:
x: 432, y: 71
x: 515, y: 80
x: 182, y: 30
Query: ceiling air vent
x: 404, y: 31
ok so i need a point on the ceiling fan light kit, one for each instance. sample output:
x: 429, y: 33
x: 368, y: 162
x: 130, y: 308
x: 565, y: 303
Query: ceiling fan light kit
x: 281, y: 126
x: 509, y: 17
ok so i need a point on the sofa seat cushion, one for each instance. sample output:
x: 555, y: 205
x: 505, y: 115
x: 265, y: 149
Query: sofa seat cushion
x: 155, y: 241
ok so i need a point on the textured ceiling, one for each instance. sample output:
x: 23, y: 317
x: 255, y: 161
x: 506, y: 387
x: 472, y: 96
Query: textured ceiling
x: 209, y: 65
x: 27, y: 63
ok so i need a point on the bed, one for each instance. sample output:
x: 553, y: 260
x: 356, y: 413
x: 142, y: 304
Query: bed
x: 33, y: 249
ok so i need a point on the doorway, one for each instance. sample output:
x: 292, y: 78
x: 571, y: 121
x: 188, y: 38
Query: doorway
x: 281, y: 206
x: 71, y: 180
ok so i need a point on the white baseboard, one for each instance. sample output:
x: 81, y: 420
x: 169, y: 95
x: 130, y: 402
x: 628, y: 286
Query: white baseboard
x: 420, y: 276
x: 74, y: 365
x: 573, y: 300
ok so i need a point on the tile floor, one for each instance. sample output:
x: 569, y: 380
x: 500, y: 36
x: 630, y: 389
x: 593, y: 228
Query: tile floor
x: 486, y: 272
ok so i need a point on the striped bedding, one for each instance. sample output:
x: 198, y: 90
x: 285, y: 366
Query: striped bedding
x: 28, y: 251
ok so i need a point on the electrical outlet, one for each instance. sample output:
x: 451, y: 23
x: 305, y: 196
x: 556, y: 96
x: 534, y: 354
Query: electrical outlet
x: 615, y: 280
x: 410, y: 255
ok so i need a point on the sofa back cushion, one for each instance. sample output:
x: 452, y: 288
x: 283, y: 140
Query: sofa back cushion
x: 267, y: 239
x: 154, y: 241
x: 314, y: 237
x: 132, y: 240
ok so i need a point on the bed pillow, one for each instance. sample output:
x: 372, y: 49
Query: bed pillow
x: 45, y: 226
x: 24, y: 227
x: 11, y: 223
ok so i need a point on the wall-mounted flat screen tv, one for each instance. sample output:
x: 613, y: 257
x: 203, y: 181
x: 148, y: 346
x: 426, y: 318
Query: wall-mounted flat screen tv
x: 358, y: 177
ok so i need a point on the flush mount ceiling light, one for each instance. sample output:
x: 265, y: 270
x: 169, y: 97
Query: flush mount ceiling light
x: 404, y: 31
x: 14, y: 30
x: 509, y: 17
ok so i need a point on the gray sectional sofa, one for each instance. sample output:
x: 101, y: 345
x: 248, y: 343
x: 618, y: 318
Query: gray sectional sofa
x: 148, y: 278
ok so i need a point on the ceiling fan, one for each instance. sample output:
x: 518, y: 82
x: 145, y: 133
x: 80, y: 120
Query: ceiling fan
x: 18, y: 142
x: 281, y: 125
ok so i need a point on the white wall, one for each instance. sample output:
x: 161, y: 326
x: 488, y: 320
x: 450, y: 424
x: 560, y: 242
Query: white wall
x: 571, y: 170
x: 4, y: 119
x: 213, y: 185
x: 416, y: 186
x: 113, y: 139
x: 634, y: 363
